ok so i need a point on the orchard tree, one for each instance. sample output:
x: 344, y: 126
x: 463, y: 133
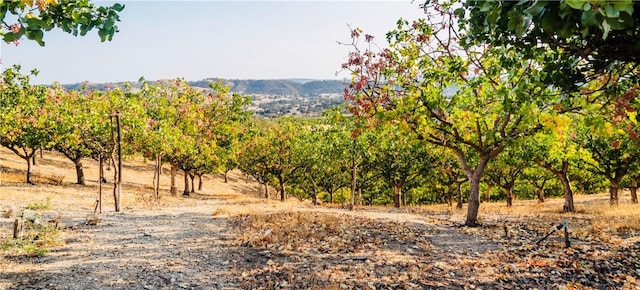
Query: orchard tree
x: 32, y: 18
x: 608, y: 134
x: 538, y: 178
x: 507, y: 169
x: 612, y: 154
x: 633, y: 184
x: 400, y: 158
x: 25, y: 123
x: 73, y: 119
x: 256, y: 158
x: 334, y: 144
x: 553, y: 150
x: 471, y: 99
x: 451, y: 178
x: 313, y: 160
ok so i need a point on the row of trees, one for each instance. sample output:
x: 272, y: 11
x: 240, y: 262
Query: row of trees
x: 334, y: 158
x: 193, y: 130
x: 329, y: 159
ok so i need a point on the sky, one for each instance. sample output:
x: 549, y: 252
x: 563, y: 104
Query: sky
x: 212, y: 39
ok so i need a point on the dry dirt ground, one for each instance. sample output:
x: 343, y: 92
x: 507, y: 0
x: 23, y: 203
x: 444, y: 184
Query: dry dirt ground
x: 224, y: 237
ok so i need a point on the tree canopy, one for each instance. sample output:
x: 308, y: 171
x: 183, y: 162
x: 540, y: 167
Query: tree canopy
x: 31, y: 18
x: 588, y: 37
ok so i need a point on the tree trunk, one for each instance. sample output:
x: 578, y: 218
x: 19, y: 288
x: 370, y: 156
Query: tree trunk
x: 200, y: 182
x: 314, y: 196
x: 488, y: 194
x: 459, y: 194
x: 397, y: 191
x: 613, y: 192
x: 156, y: 178
x: 282, y: 191
x: 79, y: 171
x: 266, y: 190
x: 186, y: 191
x: 354, y: 175
x: 474, y: 175
x: 174, y: 188
x: 226, y: 177
x: 192, y: 177
x: 449, y: 196
x: 509, y: 191
x: 634, y: 189
x: 566, y: 185
x: 540, y: 195
x: 29, y: 175
x: 34, y: 160
x: 360, y: 196
x: 331, y: 197
x: 474, y: 201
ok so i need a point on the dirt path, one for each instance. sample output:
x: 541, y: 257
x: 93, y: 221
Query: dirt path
x: 178, y: 247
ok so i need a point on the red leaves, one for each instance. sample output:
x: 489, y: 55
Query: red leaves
x: 616, y: 144
x: 368, y: 37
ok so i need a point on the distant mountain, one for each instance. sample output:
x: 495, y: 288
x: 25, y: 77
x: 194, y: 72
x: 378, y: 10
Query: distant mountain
x: 285, y: 87
x: 270, y: 98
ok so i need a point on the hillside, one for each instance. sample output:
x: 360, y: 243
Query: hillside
x: 271, y: 98
x: 224, y: 237
x: 286, y: 87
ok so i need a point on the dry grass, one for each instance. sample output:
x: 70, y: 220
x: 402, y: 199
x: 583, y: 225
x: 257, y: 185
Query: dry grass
x: 616, y: 220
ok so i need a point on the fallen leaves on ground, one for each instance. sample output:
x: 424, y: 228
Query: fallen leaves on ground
x: 306, y: 250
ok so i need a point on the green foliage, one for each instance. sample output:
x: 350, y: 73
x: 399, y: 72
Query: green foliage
x: 583, y: 36
x: 474, y: 100
x: 40, y: 205
x: 25, y: 124
x: 34, y: 17
x: 37, y: 240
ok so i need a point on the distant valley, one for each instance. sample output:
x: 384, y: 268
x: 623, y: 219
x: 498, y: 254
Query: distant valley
x: 270, y: 98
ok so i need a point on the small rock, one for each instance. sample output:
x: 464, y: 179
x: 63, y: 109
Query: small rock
x: 536, y: 270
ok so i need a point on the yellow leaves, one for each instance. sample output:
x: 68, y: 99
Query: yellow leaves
x: 558, y: 124
x: 41, y: 4
x: 632, y: 117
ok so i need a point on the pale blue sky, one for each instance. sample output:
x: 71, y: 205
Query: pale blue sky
x: 197, y: 40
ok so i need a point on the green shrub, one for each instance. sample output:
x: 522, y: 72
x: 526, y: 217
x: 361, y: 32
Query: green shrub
x: 42, y: 205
